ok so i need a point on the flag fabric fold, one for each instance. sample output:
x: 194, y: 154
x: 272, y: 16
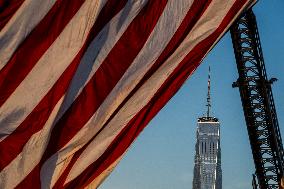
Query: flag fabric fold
x: 80, y: 79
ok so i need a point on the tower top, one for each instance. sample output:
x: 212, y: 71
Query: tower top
x: 208, y: 117
x: 208, y: 95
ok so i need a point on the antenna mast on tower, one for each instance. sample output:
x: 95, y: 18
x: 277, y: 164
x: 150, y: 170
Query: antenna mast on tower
x: 208, y: 96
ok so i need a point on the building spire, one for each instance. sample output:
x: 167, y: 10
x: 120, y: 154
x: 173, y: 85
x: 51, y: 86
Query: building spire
x: 208, y: 96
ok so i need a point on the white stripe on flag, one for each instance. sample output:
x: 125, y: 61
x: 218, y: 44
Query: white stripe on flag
x: 22, y: 165
x: 98, y: 180
x: 99, y: 49
x: 20, y: 25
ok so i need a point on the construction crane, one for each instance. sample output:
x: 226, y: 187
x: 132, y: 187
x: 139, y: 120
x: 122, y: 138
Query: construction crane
x: 258, y: 104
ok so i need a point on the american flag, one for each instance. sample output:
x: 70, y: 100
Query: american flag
x: 80, y: 79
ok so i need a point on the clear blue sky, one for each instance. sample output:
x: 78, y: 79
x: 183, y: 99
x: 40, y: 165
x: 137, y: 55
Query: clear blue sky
x: 163, y: 156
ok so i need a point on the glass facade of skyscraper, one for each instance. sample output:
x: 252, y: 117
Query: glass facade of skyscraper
x: 207, y: 168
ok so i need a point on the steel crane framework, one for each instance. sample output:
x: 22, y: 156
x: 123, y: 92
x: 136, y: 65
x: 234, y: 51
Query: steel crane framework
x: 258, y: 104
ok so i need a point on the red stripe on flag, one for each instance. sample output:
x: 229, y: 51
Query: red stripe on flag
x: 7, y: 9
x: 141, y: 119
x: 106, y: 77
x: 13, y: 144
x: 35, y: 45
x: 32, y: 181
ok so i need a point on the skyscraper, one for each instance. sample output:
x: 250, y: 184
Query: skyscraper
x: 207, y: 167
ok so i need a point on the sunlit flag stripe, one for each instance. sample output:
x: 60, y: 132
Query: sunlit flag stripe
x: 36, y: 44
x: 24, y: 20
x: 7, y: 10
x: 87, y: 175
x: 32, y: 124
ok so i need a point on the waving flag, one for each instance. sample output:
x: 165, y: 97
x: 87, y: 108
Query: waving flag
x: 80, y: 79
